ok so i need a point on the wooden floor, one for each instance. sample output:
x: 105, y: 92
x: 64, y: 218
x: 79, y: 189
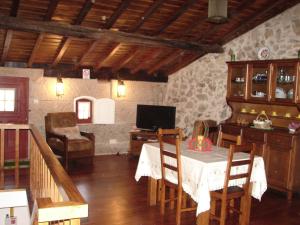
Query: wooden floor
x: 115, y: 198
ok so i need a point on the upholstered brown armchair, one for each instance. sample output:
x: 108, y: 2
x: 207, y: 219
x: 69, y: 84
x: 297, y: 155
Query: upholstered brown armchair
x: 65, y: 139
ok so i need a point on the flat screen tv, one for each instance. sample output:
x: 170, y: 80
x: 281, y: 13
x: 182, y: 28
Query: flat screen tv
x: 152, y: 117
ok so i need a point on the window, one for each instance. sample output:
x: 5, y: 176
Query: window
x: 84, y: 110
x: 13, y: 99
x: 7, y: 99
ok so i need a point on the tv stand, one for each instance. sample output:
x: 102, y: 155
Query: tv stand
x: 138, y: 138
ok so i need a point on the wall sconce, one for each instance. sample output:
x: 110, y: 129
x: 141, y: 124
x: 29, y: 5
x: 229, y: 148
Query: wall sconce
x: 217, y: 11
x: 121, y: 89
x: 59, y: 87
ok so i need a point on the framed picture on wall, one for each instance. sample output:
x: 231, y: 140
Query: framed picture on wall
x: 86, y: 73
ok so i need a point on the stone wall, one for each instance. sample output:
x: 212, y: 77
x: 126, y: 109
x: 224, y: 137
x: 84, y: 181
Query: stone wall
x: 199, y: 90
x: 42, y: 99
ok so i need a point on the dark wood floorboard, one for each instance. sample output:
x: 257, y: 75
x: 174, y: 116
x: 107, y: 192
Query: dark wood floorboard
x: 115, y: 198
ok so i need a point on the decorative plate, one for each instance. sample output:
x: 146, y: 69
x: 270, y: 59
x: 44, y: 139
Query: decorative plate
x: 263, y: 53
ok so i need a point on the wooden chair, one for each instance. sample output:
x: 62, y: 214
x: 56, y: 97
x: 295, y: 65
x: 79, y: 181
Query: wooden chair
x: 175, y: 167
x: 227, y: 194
x: 224, y: 139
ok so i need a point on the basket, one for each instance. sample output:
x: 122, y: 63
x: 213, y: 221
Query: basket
x: 262, y: 121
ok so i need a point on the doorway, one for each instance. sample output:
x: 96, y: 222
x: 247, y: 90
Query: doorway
x: 14, y: 109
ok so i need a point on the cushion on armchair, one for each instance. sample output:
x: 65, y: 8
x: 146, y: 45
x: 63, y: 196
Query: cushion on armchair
x: 74, y: 144
x: 70, y: 132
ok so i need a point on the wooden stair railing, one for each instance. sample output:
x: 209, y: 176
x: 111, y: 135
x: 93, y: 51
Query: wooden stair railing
x: 56, y: 199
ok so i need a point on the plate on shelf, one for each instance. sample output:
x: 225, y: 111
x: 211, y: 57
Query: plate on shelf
x: 263, y: 53
x: 280, y: 93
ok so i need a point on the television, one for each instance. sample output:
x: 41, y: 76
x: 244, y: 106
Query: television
x: 152, y: 117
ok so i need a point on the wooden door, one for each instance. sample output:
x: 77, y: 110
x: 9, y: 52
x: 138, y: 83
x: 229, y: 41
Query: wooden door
x: 14, y: 109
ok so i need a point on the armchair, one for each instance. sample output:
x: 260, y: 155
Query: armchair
x: 65, y: 139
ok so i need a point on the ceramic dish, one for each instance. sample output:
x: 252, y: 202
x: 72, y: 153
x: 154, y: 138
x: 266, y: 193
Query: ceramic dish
x: 263, y: 53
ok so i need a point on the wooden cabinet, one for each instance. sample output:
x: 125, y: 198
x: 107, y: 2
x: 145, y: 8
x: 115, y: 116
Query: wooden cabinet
x: 281, y: 154
x: 280, y: 161
x: 272, y: 87
x: 236, y: 85
x: 250, y: 135
x: 138, y: 138
x: 272, y: 81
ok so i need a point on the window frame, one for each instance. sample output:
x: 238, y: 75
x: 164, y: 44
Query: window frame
x: 88, y: 120
x: 20, y: 113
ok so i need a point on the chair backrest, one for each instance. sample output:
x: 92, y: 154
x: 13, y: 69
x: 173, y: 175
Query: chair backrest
x: 60, y: 119
x: 239, y: 173
x: 224, y: 138
x: 176, y: 134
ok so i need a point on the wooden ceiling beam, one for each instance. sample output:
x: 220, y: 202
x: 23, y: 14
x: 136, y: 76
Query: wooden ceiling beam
x: 9, y: 33
x: 177, y: 14
x: 169, y: 58
x: 117, y: 13
x: 51, y: 9
x: 7, y: 22
x: 91, y: 48
x: 147, y: 14
x: 62, y: 49
x: 103, y: 74
x: 246, y: 25
x: 114, y: 17
x: 35, y: 49
x: 8, y: 38
x: 147, y: 59
x: 127, y: 58
x: 66, y: 41
x: 84, y: 11
x: 14, y: 8
x: 111, y: 53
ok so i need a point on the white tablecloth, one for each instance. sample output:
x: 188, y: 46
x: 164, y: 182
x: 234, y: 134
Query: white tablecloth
x: 202, y: 172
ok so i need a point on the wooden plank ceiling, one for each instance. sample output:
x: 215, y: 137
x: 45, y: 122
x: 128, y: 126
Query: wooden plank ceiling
x: 129, y: 39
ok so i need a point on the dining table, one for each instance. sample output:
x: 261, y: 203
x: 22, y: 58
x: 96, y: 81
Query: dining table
x: 202, y: 172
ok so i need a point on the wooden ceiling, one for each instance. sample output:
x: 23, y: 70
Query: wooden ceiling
x: 128, y: 39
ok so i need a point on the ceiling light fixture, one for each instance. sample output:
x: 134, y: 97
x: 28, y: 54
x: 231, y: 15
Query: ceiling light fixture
x: 217, y: 11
